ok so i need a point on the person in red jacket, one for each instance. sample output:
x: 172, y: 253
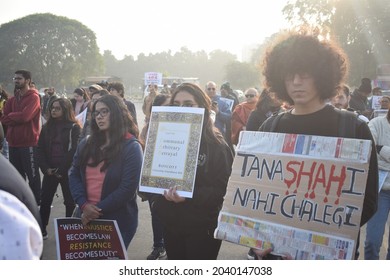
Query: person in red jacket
x: 241, y: 113
x: 21, y: 115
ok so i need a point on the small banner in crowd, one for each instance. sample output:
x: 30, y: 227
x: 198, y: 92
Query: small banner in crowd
x: 229, y: 103
x: 99, y: 240
x: 297, y: 194
x: 376, y: 102
x: 82, y: 117
x: 171, y: 151
x: 153, y: 78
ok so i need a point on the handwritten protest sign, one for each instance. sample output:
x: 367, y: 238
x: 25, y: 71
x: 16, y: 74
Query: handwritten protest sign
x: 300, y: 195
x: 153, y: 78
x: 171, y: 151
x: 99, y: 240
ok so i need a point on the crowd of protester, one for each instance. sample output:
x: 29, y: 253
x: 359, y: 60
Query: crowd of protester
x: 92, y: 146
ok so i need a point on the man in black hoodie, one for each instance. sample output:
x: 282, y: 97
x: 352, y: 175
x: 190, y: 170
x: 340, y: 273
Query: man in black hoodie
x: 359, y: 98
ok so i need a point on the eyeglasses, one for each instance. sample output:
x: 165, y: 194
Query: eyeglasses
x: 249, y: 95
x: 103, y: 112
x: 55, y: 108
x: 184, y: 105
x: 302, y: 76
x: 210, y: 89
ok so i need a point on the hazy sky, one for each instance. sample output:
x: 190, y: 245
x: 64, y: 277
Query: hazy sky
x: 134, y: 26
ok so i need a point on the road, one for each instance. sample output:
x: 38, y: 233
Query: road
x: 142, y: 243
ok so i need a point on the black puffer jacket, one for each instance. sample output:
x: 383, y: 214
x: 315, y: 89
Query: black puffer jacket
x: 70, y: 133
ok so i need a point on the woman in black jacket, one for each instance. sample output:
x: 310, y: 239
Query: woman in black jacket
x: 266, y: 106
x: 56, y: 147
x: 189, y: 224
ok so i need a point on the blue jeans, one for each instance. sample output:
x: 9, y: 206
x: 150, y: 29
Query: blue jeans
x: 376, y: 228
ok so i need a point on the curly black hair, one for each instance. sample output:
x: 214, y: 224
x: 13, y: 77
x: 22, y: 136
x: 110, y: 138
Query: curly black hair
x: 304, y: 53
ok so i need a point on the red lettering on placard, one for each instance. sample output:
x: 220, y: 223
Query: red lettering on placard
x: 317, y: 176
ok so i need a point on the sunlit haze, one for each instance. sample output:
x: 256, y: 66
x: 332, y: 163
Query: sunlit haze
x: 133, y: 27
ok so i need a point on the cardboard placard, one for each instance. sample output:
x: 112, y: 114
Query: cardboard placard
x: 300, y: 195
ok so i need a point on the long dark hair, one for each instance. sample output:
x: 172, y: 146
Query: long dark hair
x: 267, y: 102
x: 209, y: 133
x: 121, y: 123
x: 68, y: 116
x: 82, y: 92
x: 67, y: 111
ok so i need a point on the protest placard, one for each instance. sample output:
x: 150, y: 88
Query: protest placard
x: 376, y: 102
x: 171, y: 150
x: 82, y: 117
x: 300, y: 195
x: 229, y: 102
x: 153, y: 78
x: 99, y: 240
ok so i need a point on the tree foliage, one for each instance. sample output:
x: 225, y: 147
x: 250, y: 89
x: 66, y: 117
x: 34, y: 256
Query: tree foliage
x: 242, y: 75
x: 58, y: 51
x: 184, y: 63
x: 61, y: 52
x: 361, y: 27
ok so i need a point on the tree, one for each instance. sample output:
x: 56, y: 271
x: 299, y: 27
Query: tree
x: 58, y: 51
x: 242, y: 75
x: 360, y: 26
x: 216, y: 68
x: 183, y: 63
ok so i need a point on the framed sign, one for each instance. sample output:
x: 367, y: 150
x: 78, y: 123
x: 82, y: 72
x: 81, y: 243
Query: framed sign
x: 171, y: 151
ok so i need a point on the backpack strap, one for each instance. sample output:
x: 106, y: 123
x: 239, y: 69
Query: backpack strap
x: 274, y: 121
x: 347, y: 123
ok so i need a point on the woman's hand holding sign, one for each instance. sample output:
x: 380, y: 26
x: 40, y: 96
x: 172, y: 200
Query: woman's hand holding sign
x: 90, y: 212
x: 173, y: 196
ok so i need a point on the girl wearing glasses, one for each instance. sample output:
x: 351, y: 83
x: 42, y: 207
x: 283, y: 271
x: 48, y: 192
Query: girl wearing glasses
x: 189, y: 223
x: 106, y: 168
x: 56, y: 146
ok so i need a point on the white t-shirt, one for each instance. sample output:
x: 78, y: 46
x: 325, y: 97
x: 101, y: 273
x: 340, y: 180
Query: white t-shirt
x: 20, y: 234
